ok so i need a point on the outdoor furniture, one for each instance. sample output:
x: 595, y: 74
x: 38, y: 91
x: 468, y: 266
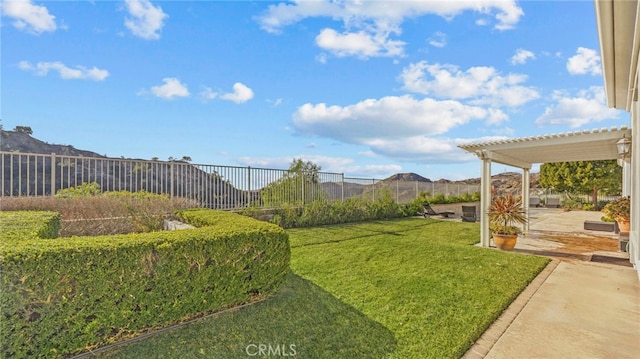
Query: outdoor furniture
x: 553, y: 202
x: 469, y: 214
x: 428, y: 212
x: 601, y: 226
x: 534, y: 202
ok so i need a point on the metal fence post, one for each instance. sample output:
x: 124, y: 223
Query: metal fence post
x: 171, y: 180
x: 53, y: 174
x: 249, y: 195
x: 342, y: 194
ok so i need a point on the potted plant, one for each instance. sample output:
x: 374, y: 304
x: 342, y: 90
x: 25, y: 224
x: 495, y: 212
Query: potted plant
x: 619, y: 211
x: 504, y: 214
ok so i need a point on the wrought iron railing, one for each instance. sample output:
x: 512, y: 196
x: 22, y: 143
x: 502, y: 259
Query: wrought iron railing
x: 213, y: 186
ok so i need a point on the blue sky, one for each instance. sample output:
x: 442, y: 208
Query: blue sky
x: 365, y: 88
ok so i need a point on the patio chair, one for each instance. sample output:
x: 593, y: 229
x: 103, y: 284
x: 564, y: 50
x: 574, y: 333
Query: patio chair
x: 553, y: 202
x: 534, y: 202
x: 469, y: 214
x: 428, y: 212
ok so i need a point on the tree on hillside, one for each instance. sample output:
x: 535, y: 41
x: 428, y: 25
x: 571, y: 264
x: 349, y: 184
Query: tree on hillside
x: 23, y: 129
x: 300, y: 185
x: 583, y: 177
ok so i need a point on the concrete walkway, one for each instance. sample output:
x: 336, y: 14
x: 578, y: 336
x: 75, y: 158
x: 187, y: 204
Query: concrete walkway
x: 575, y: 308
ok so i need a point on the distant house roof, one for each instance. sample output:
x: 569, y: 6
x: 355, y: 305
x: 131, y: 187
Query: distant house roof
x: 564, y: 147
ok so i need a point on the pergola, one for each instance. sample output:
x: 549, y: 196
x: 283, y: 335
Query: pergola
x: 524, y: 152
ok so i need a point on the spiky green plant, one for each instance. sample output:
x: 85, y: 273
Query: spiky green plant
x: 505, y: 213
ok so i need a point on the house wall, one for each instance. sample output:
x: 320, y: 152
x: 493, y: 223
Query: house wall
x: 634, y: 234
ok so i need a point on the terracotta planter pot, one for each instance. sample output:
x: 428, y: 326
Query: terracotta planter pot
x: 506, y: 242
x: 624, y: 226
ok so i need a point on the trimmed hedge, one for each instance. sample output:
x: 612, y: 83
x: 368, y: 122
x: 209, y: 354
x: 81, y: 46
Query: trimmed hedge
x: 69, y: 295
x: 29, y: 224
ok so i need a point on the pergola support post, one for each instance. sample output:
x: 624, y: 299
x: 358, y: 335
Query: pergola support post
x: 485, y: 198
x: 526, y: 178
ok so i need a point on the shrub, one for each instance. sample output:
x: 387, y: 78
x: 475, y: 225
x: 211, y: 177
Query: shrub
x: 28, y: 225
x: 588, y: 207
x: 68, y: 295
x: 322, y: 212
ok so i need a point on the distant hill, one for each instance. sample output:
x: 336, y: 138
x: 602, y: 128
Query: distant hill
x: 12, y: 141
x: 410, y: 177
x: 35, y: 177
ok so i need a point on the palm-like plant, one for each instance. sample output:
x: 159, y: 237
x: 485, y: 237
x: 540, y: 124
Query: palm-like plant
x: 505, y: 213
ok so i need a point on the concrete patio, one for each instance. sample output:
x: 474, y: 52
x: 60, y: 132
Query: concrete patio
x: 584, y: 304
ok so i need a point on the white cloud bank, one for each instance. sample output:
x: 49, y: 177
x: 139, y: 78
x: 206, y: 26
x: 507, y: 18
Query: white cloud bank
x: 402, y: 127
x: 66, y: 73
x: 585, y: 61
x: 479, y: 85
x: 29, y: 17
x: 585, y: 107
x: 369, y: 25
x: 144, y: 20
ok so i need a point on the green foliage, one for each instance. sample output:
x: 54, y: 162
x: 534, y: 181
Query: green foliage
x: 322, y: 212
x: 28, y: 225
x: 573, y: 203
x: 504, y: 213
x: 582, y: 177
x: 299, y: 186
x: 440, y: 198
x: 83, y: 190
x: 619, y: 210
x: 68, y: 295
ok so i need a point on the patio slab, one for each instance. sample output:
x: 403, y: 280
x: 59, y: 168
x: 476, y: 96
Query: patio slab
x: 581, y: 310
x: 584, y: 304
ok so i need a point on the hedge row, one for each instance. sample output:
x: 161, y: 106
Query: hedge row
x: 29, y: 224
x: 68, y: 295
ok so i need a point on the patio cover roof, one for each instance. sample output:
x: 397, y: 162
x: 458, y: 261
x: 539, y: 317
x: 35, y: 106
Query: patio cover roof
x: 564, y: 147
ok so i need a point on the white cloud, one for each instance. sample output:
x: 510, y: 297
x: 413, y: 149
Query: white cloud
x: 585, y: 61
x: 66, y: 73
x: 208, y: 94
x: 388, y: 117
x: 480, y: 85
x: 145, y: 20
x: 574, y: 111
x: 172, y: 88
x: 522, y: 56
x: 327, y: 163
x: 360, y: 44
x: 381, y: 13
x: 438, y: 39
x: 421, y: 149
x: 29, y: 17
x: 241, y: 93
x: 369, y: 25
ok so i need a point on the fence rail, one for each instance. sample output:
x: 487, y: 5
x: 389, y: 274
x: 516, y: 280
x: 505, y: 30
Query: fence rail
x: 213, y: 186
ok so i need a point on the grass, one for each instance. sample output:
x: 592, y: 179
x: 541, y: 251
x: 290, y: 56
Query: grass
x: 409, y: 288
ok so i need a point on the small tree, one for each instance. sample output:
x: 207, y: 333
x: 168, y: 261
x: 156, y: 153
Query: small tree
x: 582, y: 177
x: 23, y: 129
x: 299, y: 186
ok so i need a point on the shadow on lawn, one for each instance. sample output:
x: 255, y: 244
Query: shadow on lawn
x: 302, y: 320
x: 369, y: 232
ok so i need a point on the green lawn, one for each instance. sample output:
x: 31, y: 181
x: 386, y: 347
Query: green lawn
x: 408, y: 288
